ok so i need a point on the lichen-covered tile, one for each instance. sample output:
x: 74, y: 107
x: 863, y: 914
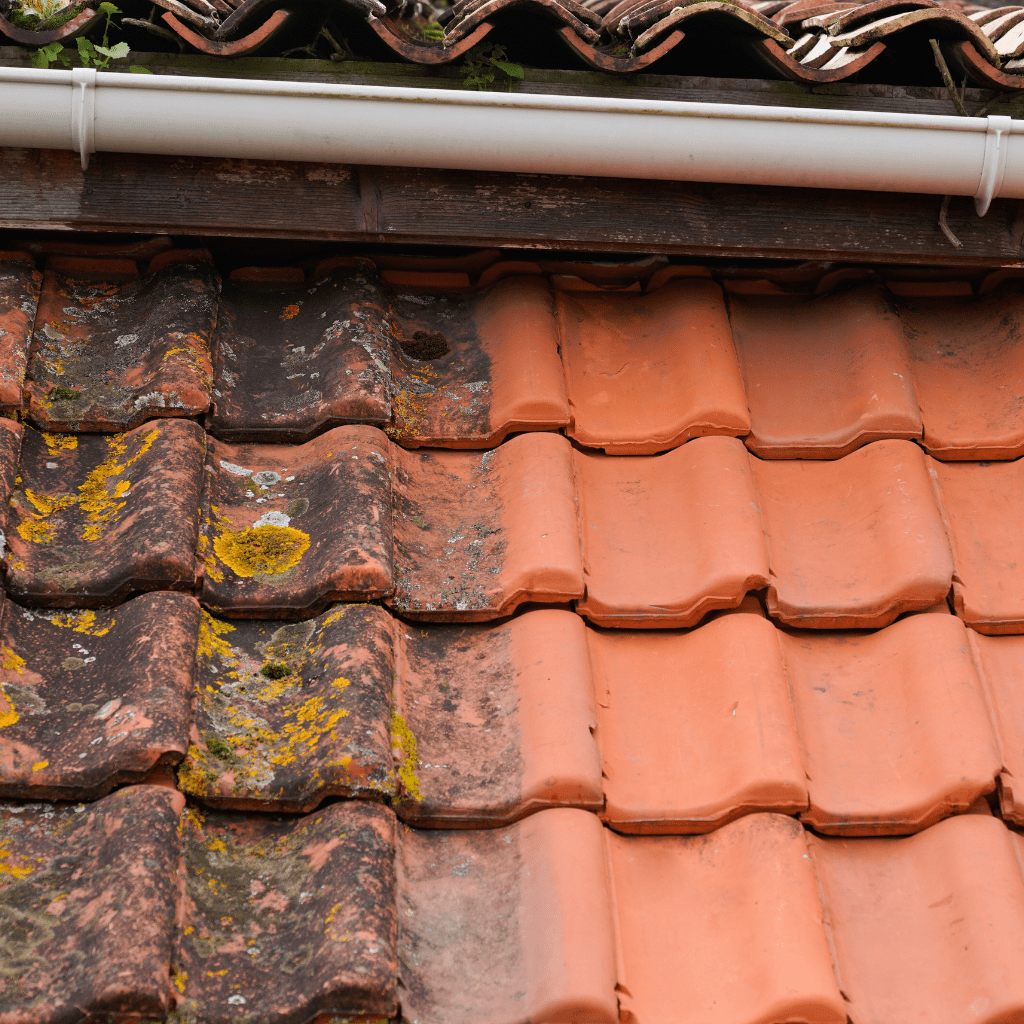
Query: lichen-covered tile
x: 968, y: 366
x: 287, y: 918
x: 823, y: 376
x: 289, y: 714
x: 288, y: 528
x: 894, y: 725
x: 476, y: 534
x: 696, y: 728
x: 507, y: 925
x: 11, y: 435
x: 986, y: 525
x: 647, y: 373
x: 725, y: 927
x: 108, y: 355
x: 1000, y: 662
x: 19, y: 295
x: 854, y: 542
x: 501, y: 718
x: 668, y: 539
x: 927, y: 927
x: 95, y: 517
x: 291, y: 362
x: 90, y: 700
x: 468, y: 370
x: 89, y: 898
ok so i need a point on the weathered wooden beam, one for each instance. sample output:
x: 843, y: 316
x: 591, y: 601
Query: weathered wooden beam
x: 195, y: 197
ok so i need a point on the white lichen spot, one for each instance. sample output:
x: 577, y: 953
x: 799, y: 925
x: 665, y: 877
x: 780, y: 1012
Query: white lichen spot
x: 230, y: 467
x: 272, y: 518
x: 126, y: 339
x: 267, y: 478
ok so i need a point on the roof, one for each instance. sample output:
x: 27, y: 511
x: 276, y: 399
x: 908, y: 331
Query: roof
x: 808, y: 41
x: 495, y: 641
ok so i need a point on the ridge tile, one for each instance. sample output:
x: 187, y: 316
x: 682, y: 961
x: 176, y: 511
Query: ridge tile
x: 94, y: 699
x: 93, y: 518
x: 109, y: 354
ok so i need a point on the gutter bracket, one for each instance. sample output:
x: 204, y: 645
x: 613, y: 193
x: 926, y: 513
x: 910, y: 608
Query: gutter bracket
x: 994, y: 167
x: 83, y: 113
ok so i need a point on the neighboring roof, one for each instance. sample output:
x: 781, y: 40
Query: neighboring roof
x: 535, y: 641
x: 810, y: 41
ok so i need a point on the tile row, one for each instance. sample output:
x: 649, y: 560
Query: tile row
x: 275, y: 358
x: 280, y: 531
x: 475, y: 726
x: 138, y: 905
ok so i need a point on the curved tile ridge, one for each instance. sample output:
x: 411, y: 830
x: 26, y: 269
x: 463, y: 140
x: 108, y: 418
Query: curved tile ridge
x: 476, y: 534
x: 286, y: 529
x: 95, y: 887
x: 94, y: 517
x: 19, y: 296
x: 110, y: 351
x: 293, y: 916
x: 853, y: 543
x: 507, y: 925
x: 930, y: 926
x: 92, y: 700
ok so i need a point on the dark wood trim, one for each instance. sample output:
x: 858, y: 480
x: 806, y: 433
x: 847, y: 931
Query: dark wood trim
x: 197, y: 197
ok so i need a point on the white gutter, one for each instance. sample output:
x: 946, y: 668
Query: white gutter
x: 89, y: 112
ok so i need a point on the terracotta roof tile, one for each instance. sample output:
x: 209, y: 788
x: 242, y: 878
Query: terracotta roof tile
x: 286, y: 529
x: 94, y: 699
x: 19, y: 294
x: 95, y: 517
x: 108, y: 355
x: 90, y: 894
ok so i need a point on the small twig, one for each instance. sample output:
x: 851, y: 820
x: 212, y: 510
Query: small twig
x: 986, y: 107
x: 944, y: 223
x: 947, y: 78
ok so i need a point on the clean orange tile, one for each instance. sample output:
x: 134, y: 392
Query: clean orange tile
x: 696, y: 728
x: 502, y: 719
x: 968, y: 366
x: 928, y: 927
x: 503, y: 926
x: 1000, y: 661
x: 645, y: 374
x: 986, y: 525
x: 724, y: 928
x: 894, y: 725
x: 855, y: 542
x: 670, y: 538
x: 478, y: 533
x: 823, y: 376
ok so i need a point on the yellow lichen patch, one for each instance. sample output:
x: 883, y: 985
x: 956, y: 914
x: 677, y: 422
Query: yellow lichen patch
x: 204, y: 550
x: 403, y: 747
x: 11, y: 662
x: 178, y: 978
x: 210, y: 643
x: 39, y: 766
x: 36, y: 532
x: 8, y: 716
x: 60, y: 442
x: 7, y: 868
x: 95, y: 498
x: 82, y: 622
x: 290, y: 311
x: 46, y: 505
x: 261, y: 549
x: 410, y: 405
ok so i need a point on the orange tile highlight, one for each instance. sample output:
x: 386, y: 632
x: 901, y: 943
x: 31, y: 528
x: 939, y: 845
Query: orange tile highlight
x: 968, y: 366
x: 823, y: 376
x: 668, y: 539
x: 930, y: 927
x: 724, y: 928
x: 894, y: 726
x: 853, y: 543
x: 645, y: 374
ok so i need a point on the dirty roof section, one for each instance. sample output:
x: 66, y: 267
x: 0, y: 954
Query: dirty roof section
x: 485, y: 641
x: 808, y: 41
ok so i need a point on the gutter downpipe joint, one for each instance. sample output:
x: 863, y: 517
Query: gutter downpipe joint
x: 89, y: 111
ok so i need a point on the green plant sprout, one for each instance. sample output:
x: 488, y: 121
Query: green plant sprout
x: 480, y: 65
x: 90, y: 54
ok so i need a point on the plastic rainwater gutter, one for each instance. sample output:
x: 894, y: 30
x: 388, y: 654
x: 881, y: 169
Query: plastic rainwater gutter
x: 89, y: 111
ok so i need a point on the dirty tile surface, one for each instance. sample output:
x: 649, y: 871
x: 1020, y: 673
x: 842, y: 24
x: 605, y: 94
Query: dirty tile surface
x: 477, y: 641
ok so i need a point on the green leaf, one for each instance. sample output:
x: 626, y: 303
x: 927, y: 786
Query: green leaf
x: 85, y: 48
x: 40, y: 58
x: 510, y: 69
x: 135, y: 69
x: 116, y: 51
x: 109, y: 8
